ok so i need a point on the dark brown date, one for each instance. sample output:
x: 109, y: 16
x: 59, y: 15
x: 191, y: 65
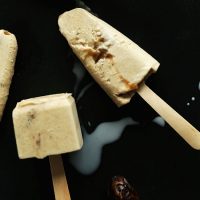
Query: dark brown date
x: 120, y: 189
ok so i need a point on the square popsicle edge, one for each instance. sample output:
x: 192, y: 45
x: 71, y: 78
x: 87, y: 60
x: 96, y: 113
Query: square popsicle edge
x: 47, y: 125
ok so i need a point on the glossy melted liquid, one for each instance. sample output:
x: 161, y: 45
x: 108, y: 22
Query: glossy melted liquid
x: 87, y: 160
x: 193, y: 98
x: 159, y: 120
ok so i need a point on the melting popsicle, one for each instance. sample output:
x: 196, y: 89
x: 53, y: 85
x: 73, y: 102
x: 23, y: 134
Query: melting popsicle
x: 119, y: 66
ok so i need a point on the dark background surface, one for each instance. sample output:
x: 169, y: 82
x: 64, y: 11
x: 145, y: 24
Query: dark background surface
x: 157, y: 161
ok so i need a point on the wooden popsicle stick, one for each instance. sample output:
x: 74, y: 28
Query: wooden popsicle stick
x: 60, y: 185
x: 190, y: 134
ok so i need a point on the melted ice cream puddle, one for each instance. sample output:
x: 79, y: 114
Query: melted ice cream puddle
x: 88, y: 159
x: 159, y: 120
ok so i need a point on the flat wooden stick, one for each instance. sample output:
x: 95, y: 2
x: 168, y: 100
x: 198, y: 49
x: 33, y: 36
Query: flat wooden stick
x: 60, y: 185
x: 190, y: 134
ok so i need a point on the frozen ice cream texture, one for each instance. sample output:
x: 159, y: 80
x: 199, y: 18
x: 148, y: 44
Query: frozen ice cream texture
x: 115, y: 62
x: 8, y: 52
x: 47, y: 125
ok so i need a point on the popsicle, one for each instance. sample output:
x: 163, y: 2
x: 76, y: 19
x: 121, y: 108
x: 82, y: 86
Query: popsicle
x: 8, y: 51
x: 48, y: 126
x: 119, y: 66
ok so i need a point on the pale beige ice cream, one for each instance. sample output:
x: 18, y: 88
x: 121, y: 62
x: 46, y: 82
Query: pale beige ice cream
x: 8, y: 51
x: 47, y: 125
x: 115, y: 62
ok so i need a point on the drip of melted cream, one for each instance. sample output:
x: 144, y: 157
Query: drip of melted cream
x: 159, y: 120
x: 87, y: 160
x: 79, y: 72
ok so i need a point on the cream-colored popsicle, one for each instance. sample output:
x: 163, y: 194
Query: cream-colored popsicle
x: 47, y: 125
x: 119, y: 66
x: 115, y: 62
x: 8, y: 51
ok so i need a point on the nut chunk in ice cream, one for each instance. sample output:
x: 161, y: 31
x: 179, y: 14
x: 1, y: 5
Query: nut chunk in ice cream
x: 115, y: 62
x: 47, y: 125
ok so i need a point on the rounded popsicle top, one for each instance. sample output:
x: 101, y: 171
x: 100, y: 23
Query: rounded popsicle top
x: 8, y: 46
x: 115, y: 62
x: 8, y: 52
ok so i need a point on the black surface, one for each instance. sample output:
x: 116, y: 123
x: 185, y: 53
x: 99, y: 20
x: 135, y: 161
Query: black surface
x: 157, y: 161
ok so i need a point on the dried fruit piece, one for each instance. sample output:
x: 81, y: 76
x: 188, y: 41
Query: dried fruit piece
x: 122, y: 190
